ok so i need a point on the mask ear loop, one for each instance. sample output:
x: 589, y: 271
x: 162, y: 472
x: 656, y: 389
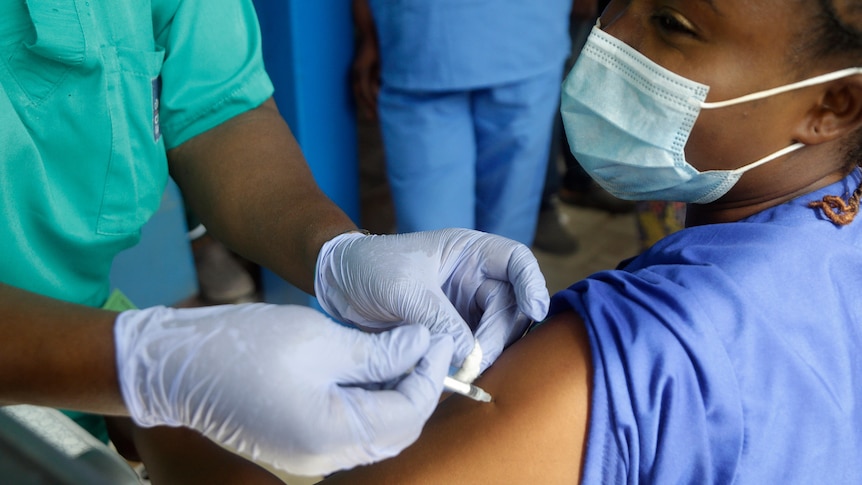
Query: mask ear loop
x: 823, y: 78
x: 769, y: 158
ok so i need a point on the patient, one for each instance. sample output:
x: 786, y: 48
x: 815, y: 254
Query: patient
x: 729, y: 351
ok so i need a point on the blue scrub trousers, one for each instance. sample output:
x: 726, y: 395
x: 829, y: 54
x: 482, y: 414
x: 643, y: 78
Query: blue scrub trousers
x: 472, y: 158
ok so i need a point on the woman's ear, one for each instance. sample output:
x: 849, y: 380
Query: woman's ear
x: 837, y: 113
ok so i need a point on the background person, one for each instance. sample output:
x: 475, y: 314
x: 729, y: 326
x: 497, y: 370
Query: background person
x: 466, y: 94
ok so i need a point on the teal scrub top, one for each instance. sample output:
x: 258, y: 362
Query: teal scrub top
x: 443, y: 45
x: 92, y: 93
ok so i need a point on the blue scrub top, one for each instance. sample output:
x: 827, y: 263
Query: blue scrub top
x: 92, y: 93
x: 730, y: 353
x: 441, y: 45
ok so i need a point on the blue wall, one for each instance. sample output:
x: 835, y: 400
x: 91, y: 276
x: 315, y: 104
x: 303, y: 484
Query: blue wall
x: 307, y: 48
x: 160, y: 270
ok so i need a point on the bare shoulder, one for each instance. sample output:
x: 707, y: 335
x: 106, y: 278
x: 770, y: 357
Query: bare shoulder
x: 533, y: 432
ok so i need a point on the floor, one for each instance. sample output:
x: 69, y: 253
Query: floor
x: 604, y: 239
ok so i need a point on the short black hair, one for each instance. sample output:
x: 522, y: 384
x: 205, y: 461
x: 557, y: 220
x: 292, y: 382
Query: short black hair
x: 836, y: 36
x: 837, y: 30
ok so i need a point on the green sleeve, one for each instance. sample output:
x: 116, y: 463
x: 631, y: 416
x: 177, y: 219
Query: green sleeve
x: 213, y: 67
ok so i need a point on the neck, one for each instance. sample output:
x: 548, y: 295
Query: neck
x: 700, y: 214
x: 734, y: 210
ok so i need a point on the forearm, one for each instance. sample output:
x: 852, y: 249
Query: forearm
x: 365, y: 77
x: 57, y: 354
x: 249, y: 183
x: 363, y: 20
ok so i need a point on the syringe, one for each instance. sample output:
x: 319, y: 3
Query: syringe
x: 464, y: 389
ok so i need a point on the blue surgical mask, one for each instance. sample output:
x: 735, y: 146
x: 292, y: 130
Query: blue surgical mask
x: 628, y: 120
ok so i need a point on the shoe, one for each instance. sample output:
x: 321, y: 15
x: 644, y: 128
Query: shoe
x: 221, y: 277
x: 595, y: 197
x: 551, y: 236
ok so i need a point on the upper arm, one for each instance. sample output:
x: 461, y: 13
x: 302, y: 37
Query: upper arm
x: 533, y: 432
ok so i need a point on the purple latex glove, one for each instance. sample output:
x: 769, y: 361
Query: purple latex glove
x: 452, y: 281
x: 282, y: 384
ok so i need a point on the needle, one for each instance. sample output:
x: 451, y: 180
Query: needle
x: 464, y: 389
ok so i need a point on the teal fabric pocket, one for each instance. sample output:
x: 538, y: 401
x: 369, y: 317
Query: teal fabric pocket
x: 138, y: 168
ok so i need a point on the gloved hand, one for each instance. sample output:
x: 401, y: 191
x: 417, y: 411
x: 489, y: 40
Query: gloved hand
x: 453, y: 281
x: 281, y: 384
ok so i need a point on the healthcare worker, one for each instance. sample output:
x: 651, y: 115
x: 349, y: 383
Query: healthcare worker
x: 466, y: 94
x: 99, y: 102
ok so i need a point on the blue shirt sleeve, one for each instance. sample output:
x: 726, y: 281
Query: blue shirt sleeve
x: 213, y: 67
x: 665, y: 406
x: 729, y: 353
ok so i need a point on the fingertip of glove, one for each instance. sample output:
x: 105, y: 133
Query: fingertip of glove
x: 530, y: 286
x: 539, y: 308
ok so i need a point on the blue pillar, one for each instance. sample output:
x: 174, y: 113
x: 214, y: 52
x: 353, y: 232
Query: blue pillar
x: 160, y: 269
x: 307, y: 48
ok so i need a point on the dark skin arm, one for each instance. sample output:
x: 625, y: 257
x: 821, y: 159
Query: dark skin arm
x: 57, y: 354
x: 533, y: 432
x: 366, y: 60
x: 249, y: 183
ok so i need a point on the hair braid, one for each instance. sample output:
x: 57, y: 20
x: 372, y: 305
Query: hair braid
x: 837, y: 210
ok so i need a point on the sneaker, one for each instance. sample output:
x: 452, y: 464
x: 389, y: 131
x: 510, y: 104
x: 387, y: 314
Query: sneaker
x: 551, y: 236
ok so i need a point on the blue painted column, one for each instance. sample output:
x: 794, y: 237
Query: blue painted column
x: 307, y: 48
x: 160, y: 269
